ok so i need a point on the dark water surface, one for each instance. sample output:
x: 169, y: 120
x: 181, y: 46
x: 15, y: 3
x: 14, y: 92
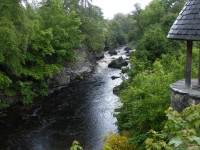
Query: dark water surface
x: 83, y: 111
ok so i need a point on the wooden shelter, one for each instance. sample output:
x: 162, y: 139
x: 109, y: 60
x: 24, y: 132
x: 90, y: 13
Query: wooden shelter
x: 187, y: 27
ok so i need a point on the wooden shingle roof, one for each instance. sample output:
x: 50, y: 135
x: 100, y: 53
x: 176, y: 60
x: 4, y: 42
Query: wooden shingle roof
x: 187, y: 24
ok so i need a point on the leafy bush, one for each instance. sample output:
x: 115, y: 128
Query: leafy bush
x: 154, y: 42
x: 5, y: 81
x: 76, y: 146
x: 117, y: 142
x: 3, y: 105
x: 146, y: 95
x: 180, y: 132
x: 27, y: 92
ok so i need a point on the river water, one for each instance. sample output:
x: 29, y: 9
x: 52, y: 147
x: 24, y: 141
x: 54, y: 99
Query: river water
x: 83, y: 112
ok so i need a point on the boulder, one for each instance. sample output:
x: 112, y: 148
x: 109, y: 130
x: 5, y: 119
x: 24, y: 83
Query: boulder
x: 117, y: 89
x: 124, y: 69
x: 100, y: 55
x: 127, y: 49
x: 112, y: 52
x: 127, y: 54
x: 118, y: 63
x: 107, y: 48
x: 114, y: 77
x: 74, y: 71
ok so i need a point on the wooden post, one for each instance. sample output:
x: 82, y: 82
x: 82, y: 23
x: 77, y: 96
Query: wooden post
x: 199, y: 70
x: 188, y: 73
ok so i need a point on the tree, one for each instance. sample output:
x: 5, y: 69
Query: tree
x: 154, y: 42
x: 56, y: 34
x: 137, y: 28
x: 93, y: 26
x: 14, y: 36
x: 119, y: 27
x: 34, y: 44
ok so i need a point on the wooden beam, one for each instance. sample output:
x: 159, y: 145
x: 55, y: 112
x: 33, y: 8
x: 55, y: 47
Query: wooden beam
x: 199, y: 70
x: 188, y: 73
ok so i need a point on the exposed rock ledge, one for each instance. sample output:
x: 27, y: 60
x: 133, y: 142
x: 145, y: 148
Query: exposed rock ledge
x: 182, y: 97
x: 76, y: 71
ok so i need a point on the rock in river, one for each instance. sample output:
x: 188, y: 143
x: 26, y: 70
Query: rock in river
x: 118, y: 63
x: 112, y: 52
x: 114, y: 77
x: 127, y: 49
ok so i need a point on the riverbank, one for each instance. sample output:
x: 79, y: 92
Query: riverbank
x: 82, y: 65
x: 82, y: 111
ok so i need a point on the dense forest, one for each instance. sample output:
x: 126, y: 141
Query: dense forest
x: 38, y: 39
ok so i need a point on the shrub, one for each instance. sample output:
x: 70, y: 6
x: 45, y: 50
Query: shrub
x: 181, y: 131
x: 117, y: 142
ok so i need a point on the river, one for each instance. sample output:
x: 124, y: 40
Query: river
x: 82, y: 111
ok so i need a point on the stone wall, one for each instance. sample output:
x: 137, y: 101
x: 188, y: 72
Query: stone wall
x: 182, y: 97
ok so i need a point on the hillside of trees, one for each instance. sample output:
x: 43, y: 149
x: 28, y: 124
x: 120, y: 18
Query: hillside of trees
x: 38, y: 39
x: 156, y: 63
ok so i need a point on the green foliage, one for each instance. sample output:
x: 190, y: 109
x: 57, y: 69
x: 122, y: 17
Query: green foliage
x: 154, y: 42
x: 92, y: 23
x: 146, y: 94
x: 35, y: 42
x: 117, y: 142
x: 156, y: 64
x: 147, y: 90
x: 41, y: 71
x: 5, y: 81
x: 10, y: 55
x: 153, y: 13
x: 27, y: 92
x: 76, y: 146
x: 93, y: 26
x: 53, y: 32
x: 3, y: 105
x: 42, y: 43
x: 181, y: 131
x: 118, y: 29
x: 58, y: 32
x: 150, y: 27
